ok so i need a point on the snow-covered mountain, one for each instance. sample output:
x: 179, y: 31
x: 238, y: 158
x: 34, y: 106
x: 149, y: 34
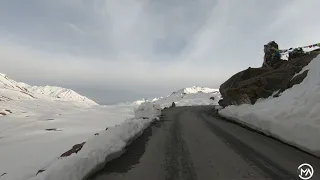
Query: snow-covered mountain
x: 186, y: 97
x: 195, y: 89
x: 191, y: 96
x: 12, y: 90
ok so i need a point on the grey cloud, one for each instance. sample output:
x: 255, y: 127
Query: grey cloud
x: 145, y: 46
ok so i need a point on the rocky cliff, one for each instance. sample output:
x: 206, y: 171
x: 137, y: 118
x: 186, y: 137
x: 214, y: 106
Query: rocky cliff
x: 247, y: 86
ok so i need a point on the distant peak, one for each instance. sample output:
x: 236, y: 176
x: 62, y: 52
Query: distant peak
x: 24, y: 90
x: 195, y: 89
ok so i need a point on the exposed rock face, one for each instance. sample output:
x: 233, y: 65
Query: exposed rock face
x: 272, y: 54
x: 247, y: 86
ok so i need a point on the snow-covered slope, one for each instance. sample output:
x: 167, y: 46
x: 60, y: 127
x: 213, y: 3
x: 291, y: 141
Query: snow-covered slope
x: 294, y: 117
x: 58, y: 93
x: 195, y: 89
x: 9, y: 90
x: 191, y: 96
x: 12, y: 90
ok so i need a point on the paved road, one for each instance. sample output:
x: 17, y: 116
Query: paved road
x: 191, y: 144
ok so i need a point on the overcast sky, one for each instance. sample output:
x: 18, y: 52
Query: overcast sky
x: 123, y: 50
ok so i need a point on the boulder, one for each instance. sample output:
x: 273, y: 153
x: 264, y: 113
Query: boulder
x: 247, y: 86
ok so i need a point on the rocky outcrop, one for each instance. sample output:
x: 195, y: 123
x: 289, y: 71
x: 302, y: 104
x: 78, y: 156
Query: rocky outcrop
x: 247, y: 86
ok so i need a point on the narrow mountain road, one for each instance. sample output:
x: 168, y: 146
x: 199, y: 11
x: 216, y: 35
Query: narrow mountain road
x: 192, y: 144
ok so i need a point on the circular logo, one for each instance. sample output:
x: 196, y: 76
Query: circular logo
x: 305, y: 171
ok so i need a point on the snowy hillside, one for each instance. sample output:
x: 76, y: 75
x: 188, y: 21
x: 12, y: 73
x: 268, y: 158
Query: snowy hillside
x: 12, y: 90
x: 294, y: 117
x: 195, y: 89
x: 58, y: 93
x: 9, y: 90
x: 191, y: 96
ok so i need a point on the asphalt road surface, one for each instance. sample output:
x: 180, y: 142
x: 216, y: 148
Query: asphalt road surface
x: 191, y: 143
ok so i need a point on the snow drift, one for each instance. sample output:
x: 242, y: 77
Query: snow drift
x: 294, y: 117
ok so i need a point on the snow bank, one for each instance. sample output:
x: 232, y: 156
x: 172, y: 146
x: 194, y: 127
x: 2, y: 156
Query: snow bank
x: 294, y: 117
x: 38, y: 131
x: 101, y: 148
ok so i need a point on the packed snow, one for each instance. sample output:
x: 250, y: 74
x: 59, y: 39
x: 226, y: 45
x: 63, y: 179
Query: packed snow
x: 294, y: 117
x: 37, y: 127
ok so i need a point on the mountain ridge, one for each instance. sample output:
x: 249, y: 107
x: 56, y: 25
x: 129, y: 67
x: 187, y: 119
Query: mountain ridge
x: 12, y: 90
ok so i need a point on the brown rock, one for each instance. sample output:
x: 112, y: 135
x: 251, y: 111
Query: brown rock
x: 247, y: 86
